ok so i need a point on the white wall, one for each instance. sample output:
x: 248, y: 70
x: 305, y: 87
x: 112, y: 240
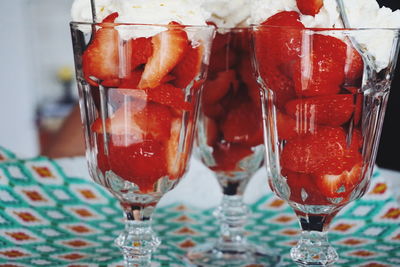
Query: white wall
x: 34, y: 42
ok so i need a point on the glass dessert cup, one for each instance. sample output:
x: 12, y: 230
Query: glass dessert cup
x: 230, y: 143
x: 324, y: 98
x: 139, y: 89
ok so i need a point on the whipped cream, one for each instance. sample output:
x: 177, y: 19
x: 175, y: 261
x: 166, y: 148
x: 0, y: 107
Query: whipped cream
x: 228, y: 13
x: 185, y: 12
x: 361, y: 14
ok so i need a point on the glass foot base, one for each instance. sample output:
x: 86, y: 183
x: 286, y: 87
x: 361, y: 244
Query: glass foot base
x: 209, y: 255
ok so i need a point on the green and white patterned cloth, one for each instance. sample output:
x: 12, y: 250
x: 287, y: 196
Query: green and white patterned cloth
x: 49, y: 218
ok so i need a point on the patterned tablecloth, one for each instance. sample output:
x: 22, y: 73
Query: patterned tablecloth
x: 49, y: 218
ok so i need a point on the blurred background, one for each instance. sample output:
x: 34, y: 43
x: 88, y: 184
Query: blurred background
x: 37, y: 87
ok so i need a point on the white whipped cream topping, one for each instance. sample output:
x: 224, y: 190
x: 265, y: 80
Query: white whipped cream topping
x: 361, y: 14
x: 185, y: 12
x: 228, y: 13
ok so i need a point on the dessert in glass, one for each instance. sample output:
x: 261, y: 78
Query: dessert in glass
x: 324, y: 97
x: 139, y: 87
x: 230, y: 143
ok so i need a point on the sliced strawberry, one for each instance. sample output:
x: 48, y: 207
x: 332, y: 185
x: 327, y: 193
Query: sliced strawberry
x: 333, y: 110
x: 220, y: 42
x: 141, y: 163
x: 339, y: 185
x: 169, y: 95
x: 302, y: 189
x: 321, y: 72
x: 289, y: 127
x: 176, y: 159
x: 326, y: 151
x: 243, y: 124
x: 221, y: 60
x: 354, y: 67
x: 138, y: 120
x: 142, y: 49
x: 227, y: 156
x: 248, y: 77
x: 276, y: 45
x: 101, y: 59
x: 309, y: 7
x: 132, y: 81
x: 213, y: 110
x: 217, y: 88
x: 168, y: 49
x: 189, y: 67
x: 211, y: 129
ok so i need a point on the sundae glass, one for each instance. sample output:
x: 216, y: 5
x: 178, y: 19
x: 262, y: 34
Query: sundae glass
x: 230, y: 143
x: 139, y: 97
x: 324, y: 98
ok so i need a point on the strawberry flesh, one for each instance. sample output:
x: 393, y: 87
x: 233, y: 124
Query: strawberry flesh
x: 309, y: 7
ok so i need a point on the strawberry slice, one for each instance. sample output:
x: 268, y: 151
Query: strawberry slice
x: 354, y: 67
x: 142, y: 49
x: 137, y: 120
x: 333, y: 110
x: 169, y: 95
x: 309, y: 7
x: 214, y: 111
x: 168, y: 49
x: 189, y: 67
x: 141, y: 163
x: 243, y: 125
x: 326, y: 151
x: 211, y: 129
x: 281, y: 44
x: 101, y: 59
x: 289, y: 127
x: 176, y: 159
x: 341, y: 185
x: 227, y: 156
x: 322, y: 72
x: 248, y: 77
x: 216, y: 89
x: 222, y: 60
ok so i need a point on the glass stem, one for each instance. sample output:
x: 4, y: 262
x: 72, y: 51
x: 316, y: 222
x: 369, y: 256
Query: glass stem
x: 313, y: 247
x: 232, y: 214
x: 138, y: 241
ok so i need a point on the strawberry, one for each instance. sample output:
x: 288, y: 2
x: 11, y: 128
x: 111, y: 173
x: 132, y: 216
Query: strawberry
x: 142, y: 163
x: 354, y: 67
x: 101, y: 59
x: 321, y: 72
x: 221, y: 60
x: 213, y: 110
x: 132, y: 81
x: 333, y: 110
x: 339, y: 185
x: 276, y: 45
x: 302, y: 189
x: 211, y: 129
x: 217, y: 88
x: 309, y: 7
x: 289, y: 127
x: 189, y: 67
x: 249, y: 79
x: 326, y: 151
x: 168, y: 49
x: 138, y: 120
x: 243, y: 124
x: 228, y: 155
x: 169, y: 95
x: 141, y: 49
x: 176, y: 159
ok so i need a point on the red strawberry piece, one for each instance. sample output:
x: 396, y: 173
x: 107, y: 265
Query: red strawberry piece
x: 168, y: 49
x: 321, y: 72
x: 141, y: 49
x: 221, y: 60
x: 282, y: 86
x: 358, y: 108
x: 333, y: 110
x: 132, y: 81
x: 302, y: 189
x: 138, y: 120
x: 248, y: 77
x: 213, y: 110
x: 243, y: 124
x: 354, y: 67
x: 326, y: 151
x: 276, y: 45
x: 227, y: 156
x: 141, y: 163
x: 189, y: 67
x: 101, y: 59
x: 216, y: 89
x: 289, y: 127
x: 220, y: 42
x: 211, y: 129
x: 339, y: 185
x: 169, y: 95
x: 176, y: 159
x: 309, y: 7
